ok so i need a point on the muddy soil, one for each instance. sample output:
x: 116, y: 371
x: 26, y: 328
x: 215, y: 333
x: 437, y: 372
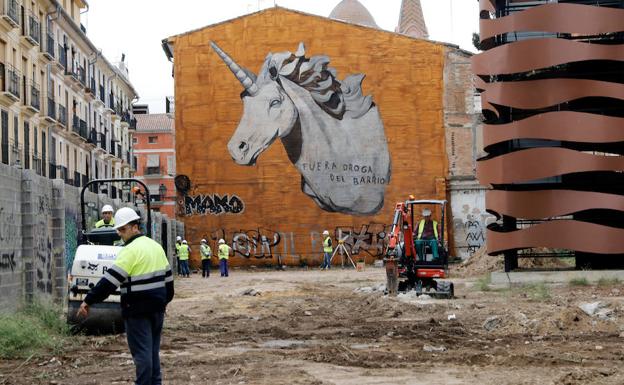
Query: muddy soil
x: 336, y: 327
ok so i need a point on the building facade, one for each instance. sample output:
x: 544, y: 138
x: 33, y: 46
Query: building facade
x: 552, y: 89
x: 267, y: 178
x: 154, y: 149
x: 65, y: 110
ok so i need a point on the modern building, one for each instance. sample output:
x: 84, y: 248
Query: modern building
x: 65, y: 110
x: 552, y: 89
x: 154, y: 149
x: 268, y: 165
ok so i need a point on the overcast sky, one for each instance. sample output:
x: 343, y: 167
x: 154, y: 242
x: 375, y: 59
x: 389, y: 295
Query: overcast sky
x: 137, y: 27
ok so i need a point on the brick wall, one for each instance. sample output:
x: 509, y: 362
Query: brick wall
x: 463, y: 122
x: 404, y: 77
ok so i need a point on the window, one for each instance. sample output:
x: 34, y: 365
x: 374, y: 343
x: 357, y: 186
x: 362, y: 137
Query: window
x: 135, y: 140
x: 152, y: 166
x: 152, y: 139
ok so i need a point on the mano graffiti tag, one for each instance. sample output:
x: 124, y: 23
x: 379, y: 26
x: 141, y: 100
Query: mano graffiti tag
x: 214, y: 204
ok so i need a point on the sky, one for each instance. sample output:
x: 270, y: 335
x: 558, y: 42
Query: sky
x: 137, y: 28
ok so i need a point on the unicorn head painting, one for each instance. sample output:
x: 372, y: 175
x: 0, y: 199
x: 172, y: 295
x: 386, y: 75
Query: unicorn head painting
x: 332, y: 133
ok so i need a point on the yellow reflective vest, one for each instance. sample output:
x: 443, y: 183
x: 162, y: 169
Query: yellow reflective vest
x: 183, y: 252
x: 224, y: 251
x: 421, y: 228
x: 327, y: 247
x: 205, y: 252
x: 101, y: 223
x: 143, y: 276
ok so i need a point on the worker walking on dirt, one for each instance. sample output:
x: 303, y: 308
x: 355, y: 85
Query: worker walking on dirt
x: 177, y: 253
x: 183, y: 253
x: 206, y: 254
x: 427, y: 235
x: 224, y: 253
x: 107, y: 217
x: 327, y: 250
x: 146, y: 280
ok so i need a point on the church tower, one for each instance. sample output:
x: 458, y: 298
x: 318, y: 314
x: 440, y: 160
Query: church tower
x: 411, y: 20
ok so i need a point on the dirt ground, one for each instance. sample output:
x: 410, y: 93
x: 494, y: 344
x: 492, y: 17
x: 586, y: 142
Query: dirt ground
x: 337, y: 327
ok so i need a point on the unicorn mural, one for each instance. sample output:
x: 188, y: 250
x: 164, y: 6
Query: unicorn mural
x: 332, y: 133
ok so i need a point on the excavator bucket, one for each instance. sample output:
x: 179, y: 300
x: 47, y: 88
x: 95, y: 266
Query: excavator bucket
x: 392, y: 276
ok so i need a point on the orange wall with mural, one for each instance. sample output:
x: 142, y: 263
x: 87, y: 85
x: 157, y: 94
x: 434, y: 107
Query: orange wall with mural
x: 269, y: 214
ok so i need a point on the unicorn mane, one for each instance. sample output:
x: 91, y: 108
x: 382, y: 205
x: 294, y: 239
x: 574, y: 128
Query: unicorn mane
x: 336, y: 98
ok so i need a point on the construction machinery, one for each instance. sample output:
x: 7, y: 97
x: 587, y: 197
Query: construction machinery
x: 417, y: 264
x: 97, y: 251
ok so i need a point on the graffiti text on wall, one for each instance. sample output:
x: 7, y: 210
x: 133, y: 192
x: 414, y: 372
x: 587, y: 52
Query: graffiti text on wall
x: 474, y: 235
x: 365, y: 240
x: 257, y: 243
x: 7, y: 261
x: 214, y: 204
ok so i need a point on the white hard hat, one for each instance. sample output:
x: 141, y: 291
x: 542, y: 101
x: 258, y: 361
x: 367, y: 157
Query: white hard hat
x: 107, y: 209
x: 184, y: 241
x: 221, y: 240
x: 325, y: 232
x: 203, y: 241
x: 426, y: 212
x: 125, y: 215
x: 178, y: 238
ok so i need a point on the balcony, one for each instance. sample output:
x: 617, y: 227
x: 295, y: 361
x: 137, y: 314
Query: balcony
x: 61, y: 64
x: 79, y: 127
x: 37, y: 164
x: 10, y: 84
x: 84, y: 132
x: 151, y: 171
x: 110, y: 106
x: 50, y: 115
x: 62, y: 115
x: 47, y: 49
x: 90, y: 90
x: 34, y: 98
x: 112, y: 147
x: 92, y: 137
x: 101, y: 141
x: 52, y: 170
x: 82, y: 76
x: 72, y: 75
x: 102, y: 95
x: 9, y: 14
x: 63, y: 174
x: 34, y: 32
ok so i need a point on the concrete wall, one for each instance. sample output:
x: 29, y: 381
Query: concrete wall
x: 40, y: 223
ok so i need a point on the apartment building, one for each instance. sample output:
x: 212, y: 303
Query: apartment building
x: 154, y: 148
x: 65, y: 110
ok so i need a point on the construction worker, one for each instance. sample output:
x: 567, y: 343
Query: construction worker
x: 427, y: 235
x: 177, y: 253
x: 146, y: 280
x: 206, y: 254
x: 224, y: 253
x: 107, y: 217
x: 327, y: 250
x: 183, y: 253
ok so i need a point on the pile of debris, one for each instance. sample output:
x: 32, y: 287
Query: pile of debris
x: 481, y: 263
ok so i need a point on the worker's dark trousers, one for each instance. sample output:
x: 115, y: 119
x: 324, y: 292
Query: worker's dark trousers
x: 144, y: 342
x: 223, y: 266
x: 205, y: 267
x: 179, y: 267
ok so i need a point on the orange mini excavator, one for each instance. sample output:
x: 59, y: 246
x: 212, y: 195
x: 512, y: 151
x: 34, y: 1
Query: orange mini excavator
x: 416, y: 257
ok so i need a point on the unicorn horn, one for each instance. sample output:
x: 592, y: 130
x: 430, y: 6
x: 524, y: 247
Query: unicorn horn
x: 238, y: 71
